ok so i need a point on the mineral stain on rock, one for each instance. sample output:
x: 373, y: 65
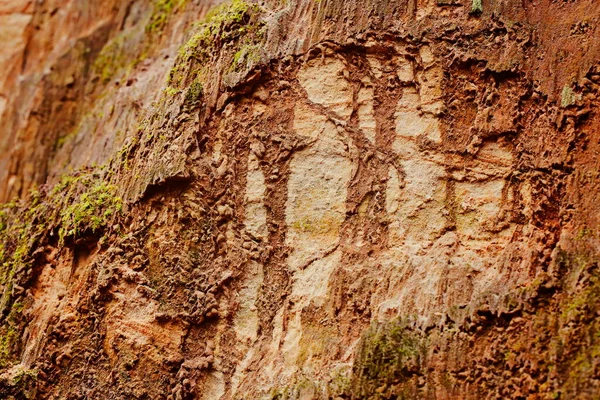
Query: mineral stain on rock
x: 382, y: 199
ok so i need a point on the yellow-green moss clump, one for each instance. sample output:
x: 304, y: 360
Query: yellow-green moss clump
x: 91, y: 210
x: 122, y: 53
x: 194, y: 93
x: 578, y: 342
x: 80, y: 204
x: 161, y: 12
x: 388, y: 355
x: 236, y: 23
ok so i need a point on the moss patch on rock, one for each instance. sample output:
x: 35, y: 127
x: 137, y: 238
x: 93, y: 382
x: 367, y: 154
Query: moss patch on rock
x: 18, y: 383
x: 161, y: 12
x: 235, y: 25
x: 388, y: 355
x: 80, y: 204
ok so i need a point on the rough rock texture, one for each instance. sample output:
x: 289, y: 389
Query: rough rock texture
x: 300, y: 199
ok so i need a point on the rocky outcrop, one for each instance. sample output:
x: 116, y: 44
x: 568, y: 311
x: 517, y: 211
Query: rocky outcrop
x: 301, y: 200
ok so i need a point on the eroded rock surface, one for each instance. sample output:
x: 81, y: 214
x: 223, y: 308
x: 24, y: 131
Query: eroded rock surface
x: 300, y: 200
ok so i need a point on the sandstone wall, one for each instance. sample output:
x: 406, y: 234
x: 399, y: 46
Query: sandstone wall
x: 301, y: 200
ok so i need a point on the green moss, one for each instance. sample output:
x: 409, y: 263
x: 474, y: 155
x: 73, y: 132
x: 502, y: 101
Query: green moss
x: 328, y: 224
x: 8, y: 338
x: 92, y: 210
x: 3, y: 218
x: 121, y: 54
x: 586, y: 233
x: 222, y: 23
x: 194, y: 94
x: 236, y: 22
x: 110, y: 60
x: 301, y: 388
x: 23, y: 376
x: 388, y: 354
x: 161, y: 12
x: 78, y: 204
x: 315, y: 342
x: 575, y: 345
x: 171, y: 91
x: 61, y: 140
x: 247, y: 55
x: 340, y: 382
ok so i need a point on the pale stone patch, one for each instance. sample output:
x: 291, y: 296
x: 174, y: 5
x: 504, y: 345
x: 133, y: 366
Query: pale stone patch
x: 496, y: 159
x: 317, y: 189
x: 495, y: 153
x: 479, y: 203
x: 427, y: 57
x: 316, y: 204
x: 430, y: 82
x: 376, y: 66
x: 393, y: 192
x: 217, y: 151
x: 366, y: 114
x: 241, y: 370
x: 256, y: 213
x: 259, y: 109
x: 414, y: 124
x: 131, y: 315
x: 410, y: 99
x: 317, y: 126
x: 469, y: 254
x: 51, y: 286
x: 416, y: 281
x: 405, y: 71
x: 315, y: 210
x: 325, y: 84
x: 395, y: 265
x: 310, y: 285
x: 246, y: 319
x: 422, y: 260
x: 525, y: 192
x: 272, y: 369
x: 422, y: 201
x: 290, y: 348
x: 3, y: 102
x: 409, y: 123
x: 13, y: 37
x: 214, y: 386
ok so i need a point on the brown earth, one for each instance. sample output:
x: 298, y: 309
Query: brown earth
x: 300, y: 199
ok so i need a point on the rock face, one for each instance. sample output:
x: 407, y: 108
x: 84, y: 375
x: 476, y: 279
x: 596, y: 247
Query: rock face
x: 300, y: 200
